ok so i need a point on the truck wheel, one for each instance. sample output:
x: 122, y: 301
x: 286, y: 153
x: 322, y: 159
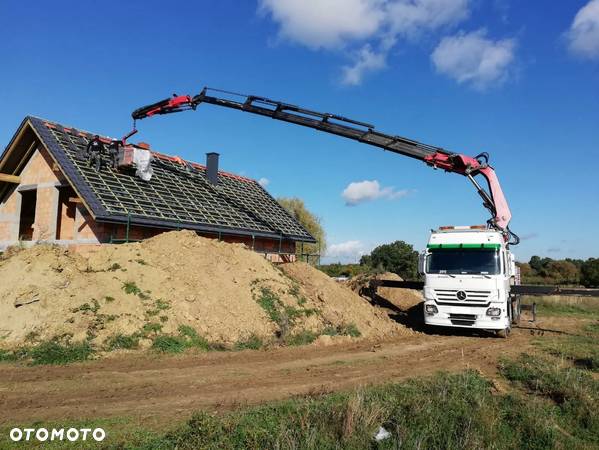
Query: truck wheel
x: 503, y: 333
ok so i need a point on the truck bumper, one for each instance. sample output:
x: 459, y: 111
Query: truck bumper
x: 467, y: 317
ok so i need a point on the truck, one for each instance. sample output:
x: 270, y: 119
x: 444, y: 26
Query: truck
x: 469, y: 271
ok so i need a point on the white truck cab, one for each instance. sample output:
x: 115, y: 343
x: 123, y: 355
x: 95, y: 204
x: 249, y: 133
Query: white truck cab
x: 468, y: 272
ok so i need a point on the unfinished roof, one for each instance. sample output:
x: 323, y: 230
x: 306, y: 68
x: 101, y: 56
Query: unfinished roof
x: 177, y: 196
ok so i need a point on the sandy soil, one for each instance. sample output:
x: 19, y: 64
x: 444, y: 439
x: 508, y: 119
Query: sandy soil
x: 175, y: 279
x: 159, y: 391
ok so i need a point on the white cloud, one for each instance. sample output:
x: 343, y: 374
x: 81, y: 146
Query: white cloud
x: 324, y: 23
x: 364, y: 191
x: 583, y: 35
x: 411, y: 17
x: 374, y: 26
x: 474, y: 59
x: 366, y: 61
x: 263, y: 182
x: 350, y: 250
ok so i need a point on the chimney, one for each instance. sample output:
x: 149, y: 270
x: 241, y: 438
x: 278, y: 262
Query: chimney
x: 212, y: 167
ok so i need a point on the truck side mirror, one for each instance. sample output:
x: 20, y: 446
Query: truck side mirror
x: 421, y: 262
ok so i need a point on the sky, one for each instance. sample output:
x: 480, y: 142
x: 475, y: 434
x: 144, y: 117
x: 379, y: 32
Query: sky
x: 519, y: 80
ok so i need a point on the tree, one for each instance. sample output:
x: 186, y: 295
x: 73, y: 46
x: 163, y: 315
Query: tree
x: 535, y: 263
x: 397, y: 257
x: 562, y: 272
x: 309, y: 221
x: 589, y: 272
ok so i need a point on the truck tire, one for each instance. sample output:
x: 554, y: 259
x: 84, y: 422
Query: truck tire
x: 504, y: 334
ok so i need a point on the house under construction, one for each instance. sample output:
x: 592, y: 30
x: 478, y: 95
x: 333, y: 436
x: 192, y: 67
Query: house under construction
x: 51, y: 192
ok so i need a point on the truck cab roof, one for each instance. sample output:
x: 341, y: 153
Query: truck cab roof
x: 465, y: 237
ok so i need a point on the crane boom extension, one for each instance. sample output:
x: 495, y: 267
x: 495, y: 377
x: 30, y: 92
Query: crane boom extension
x: 436, y: 157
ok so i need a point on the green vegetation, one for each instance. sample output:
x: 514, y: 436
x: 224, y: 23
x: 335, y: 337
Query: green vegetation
x: 562, y: 271
x: 55, y: 351
x: 86, y: 307
x: 131, y: 288
x: 122, y: 341
x: 187, y: 338
x: 566, y: 306
x: 446, y: 411
x: 304, y: 337
x: 398, y: 257
x: 310, y: 222
x: 345, y: 270
x: 114, y: 267
x: 252, y: 342
x: 285, y: 316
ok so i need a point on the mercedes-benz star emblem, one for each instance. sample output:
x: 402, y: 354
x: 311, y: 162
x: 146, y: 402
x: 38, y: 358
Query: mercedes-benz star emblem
x: 461, y: 295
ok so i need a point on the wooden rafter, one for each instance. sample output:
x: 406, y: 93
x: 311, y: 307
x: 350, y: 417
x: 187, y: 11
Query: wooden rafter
x: 10, y: 178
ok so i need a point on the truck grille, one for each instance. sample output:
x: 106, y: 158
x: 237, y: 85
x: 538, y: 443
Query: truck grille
x: 462, y: 319
x: 451, y: 295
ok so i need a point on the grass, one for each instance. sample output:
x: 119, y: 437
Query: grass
x: 186, y: 339
x: 122, y: 341
x: 55, y: 351
x: 252, y: 342
x: 581, y: 350
x: 566, y: 306
x: 131, y: 288
x: 573, y: 395
x: 549, y: 403
x: 302, y: 338
x: 446, y: 411
x: 343, y: 330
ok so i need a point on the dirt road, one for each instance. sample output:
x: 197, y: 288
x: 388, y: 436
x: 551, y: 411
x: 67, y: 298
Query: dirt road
x: 161, y: 390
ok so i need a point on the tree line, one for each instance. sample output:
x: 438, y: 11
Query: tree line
x: 560, y: 271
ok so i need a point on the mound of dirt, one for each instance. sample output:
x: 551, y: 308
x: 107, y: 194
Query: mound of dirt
x: 225, y: 292
x: 404, y: 299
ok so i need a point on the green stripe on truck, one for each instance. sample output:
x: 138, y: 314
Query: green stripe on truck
x: 473, y: 246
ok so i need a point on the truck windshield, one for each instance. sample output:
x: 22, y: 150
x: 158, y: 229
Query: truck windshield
x: 463, y: 261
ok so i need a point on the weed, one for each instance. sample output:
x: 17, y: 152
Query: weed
x: 86, y: 307
x: 169, y: 344
x: 55, y: 352
x: 302, y: 338
x: 252, y: 342
x: 163, y: 319
x: 114, y: 267
x: 109, y: 299
x: 141, y: 262
x: 574, y: 392
x: 131, y: 288
x: 123, y: 341
x: 162, y: 305
x: 445, y: 411
x: 151, y: 328
x: 342, y: 330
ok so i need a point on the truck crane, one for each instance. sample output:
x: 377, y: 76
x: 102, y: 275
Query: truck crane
x: 469, y: 271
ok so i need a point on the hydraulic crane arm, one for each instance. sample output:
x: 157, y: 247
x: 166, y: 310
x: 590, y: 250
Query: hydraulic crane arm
x: 436, y: 157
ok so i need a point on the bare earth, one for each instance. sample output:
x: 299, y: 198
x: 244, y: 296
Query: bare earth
x: 158, y: 391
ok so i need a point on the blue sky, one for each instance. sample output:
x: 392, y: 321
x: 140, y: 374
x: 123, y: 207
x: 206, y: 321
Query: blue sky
x: 519, y: 80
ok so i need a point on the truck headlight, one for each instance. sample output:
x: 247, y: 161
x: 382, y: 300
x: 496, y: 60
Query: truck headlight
x: 494, y: 312
x: 431, y: 309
